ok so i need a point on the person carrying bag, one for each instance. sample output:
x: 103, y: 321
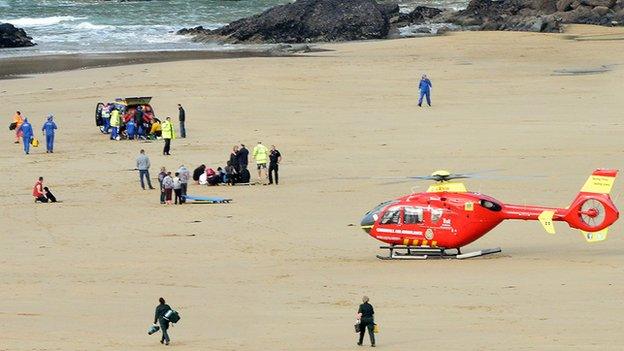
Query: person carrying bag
x: 366, y: 321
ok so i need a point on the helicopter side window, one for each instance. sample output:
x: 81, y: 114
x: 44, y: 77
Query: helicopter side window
x: 413, y: 215
x: 492, y: 206
x: 436, y: 214
x: 391, y: 216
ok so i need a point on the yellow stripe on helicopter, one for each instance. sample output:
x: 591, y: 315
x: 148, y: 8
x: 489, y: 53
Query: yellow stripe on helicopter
x: 598, y: 184
x: 450, y: 187
x: 545, y: 219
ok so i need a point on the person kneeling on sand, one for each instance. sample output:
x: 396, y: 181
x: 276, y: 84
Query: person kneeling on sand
x: 41, y: 193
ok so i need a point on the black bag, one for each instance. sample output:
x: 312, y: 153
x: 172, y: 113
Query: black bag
x: 12, y: 126
x: 172, y: 316
x: 358, y: 327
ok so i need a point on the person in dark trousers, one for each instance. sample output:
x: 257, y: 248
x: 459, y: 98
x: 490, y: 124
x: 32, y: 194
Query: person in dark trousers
x: 159, y: 317
x: 243, y: 158
x: 367, y: 321
x: 425, y: 90
x: 182, y: 118
x: 274, y: 160
x: 143, y: 165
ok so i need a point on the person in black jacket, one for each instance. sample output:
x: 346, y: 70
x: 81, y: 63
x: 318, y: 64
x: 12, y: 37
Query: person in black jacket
x: 182, y: 120
x: 243, y: 158
x: 366, y: 316
x: 159, y: 317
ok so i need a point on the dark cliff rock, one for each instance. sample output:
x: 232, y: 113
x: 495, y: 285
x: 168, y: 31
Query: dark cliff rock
x: 13, y: 37
x: 341, y: 20
x: 307, y: 21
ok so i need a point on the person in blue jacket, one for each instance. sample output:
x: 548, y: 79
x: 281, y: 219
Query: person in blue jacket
x: 131, y: 129
x: 48, y: 129
x: 27, y: 135
x: 425, y: 90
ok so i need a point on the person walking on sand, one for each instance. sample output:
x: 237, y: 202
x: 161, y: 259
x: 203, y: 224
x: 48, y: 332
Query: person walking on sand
x: 274, y: 160
x: 366, y: 317
x: 18, y: 120
x: 168, y: 133
x: 143, y: 165
x: 168, y: 187
x: 182, y: 119
x: 261, y: 155
x: 115, y: 123
x: 49, y: 127
x: 425, y: 90
x: 159, y: 318
x: 27, y: 135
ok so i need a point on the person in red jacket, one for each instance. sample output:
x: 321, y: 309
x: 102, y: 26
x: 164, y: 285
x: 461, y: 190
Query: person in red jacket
x: 38, y: 191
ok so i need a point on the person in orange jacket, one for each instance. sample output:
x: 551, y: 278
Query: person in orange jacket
x: 18, y: 120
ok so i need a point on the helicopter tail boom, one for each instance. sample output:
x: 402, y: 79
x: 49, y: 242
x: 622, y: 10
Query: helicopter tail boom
x: 592, y: 211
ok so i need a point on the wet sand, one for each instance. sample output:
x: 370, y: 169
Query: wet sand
x: 283, y: 268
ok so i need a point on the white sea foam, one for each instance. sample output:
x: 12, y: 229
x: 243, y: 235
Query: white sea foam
x: 39, y: 21
x: 91, y: 26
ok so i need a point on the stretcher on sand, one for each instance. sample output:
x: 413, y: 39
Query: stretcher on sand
x: 206, y: 199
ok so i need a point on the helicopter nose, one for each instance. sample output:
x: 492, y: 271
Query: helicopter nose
x: 367, y: 222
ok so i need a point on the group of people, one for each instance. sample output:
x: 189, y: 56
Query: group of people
x: 24, y: 131
x: 267, y: 163
x: 173, y: 186
x: 138, y: 122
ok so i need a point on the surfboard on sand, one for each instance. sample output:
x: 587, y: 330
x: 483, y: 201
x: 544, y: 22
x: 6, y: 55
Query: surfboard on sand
x: 206, y: 199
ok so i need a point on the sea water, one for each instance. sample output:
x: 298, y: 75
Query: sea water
x: 108, y: 26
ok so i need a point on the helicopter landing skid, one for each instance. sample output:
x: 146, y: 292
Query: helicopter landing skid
x: 423, y: 253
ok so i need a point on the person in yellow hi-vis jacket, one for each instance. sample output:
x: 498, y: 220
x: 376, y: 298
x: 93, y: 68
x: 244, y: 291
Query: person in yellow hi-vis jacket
x: 261, y: 154
x: 168, y: 133
x: 115, y: 123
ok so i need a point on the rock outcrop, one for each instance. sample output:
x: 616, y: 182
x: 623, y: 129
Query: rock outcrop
x: 341, y: 20
x: 13, y: 37
x: 307, y: 21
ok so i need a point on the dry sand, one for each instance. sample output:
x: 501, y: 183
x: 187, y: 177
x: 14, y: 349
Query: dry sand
x: 282, y: 268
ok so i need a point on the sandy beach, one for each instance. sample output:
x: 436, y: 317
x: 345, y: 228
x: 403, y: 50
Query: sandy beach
x: 284, y: 268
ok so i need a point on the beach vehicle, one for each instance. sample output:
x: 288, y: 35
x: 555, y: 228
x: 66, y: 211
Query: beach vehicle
x: 439, y: 222
x: 125, y: 105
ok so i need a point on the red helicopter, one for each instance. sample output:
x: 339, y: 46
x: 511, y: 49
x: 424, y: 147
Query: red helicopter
x: 438, y: 222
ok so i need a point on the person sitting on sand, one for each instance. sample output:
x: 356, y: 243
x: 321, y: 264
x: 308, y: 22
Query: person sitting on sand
x: 198, y: 172
x: 231, y: 176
